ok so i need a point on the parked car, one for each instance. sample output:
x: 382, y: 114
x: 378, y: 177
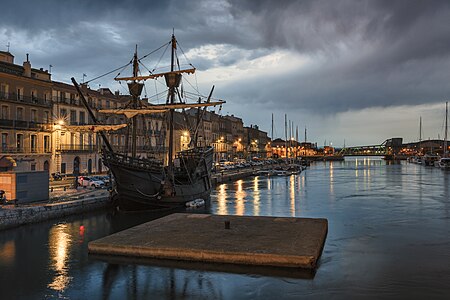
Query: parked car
x: 104, y: 178
x: 90, y: 182
x: 57, y: 176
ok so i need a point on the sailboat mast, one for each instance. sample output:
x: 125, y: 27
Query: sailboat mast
x: 290, y: 135
x: 420, y: 134
x: 446, y: 129
x: 172, y: 101
x: 134, y: 119
x: 272, y: 128
x: 285, y: 132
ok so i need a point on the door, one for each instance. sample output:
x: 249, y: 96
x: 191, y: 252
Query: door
x: 76, y: 166
x: 89, y: 166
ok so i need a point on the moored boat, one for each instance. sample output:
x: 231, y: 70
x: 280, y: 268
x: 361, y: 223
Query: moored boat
x: 444, y: 163
x: 429, y: 159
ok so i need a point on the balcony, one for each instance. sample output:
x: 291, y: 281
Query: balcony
x: 77, y: 148
x: 70, y: 101
x: 25, y: 150
x: 18, y: 124
x: 25, y: 99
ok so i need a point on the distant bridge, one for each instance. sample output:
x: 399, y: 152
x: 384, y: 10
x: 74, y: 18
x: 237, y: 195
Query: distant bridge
x: 389, y: 146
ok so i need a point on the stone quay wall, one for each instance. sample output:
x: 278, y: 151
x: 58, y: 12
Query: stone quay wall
x: 11, y: 216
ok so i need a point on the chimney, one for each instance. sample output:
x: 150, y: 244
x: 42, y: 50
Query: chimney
x: 27, y: 67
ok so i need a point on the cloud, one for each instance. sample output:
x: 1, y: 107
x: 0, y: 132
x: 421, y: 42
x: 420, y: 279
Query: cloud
x: 317, y: 58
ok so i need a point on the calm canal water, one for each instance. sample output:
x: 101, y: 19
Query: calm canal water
x: 389, y: 237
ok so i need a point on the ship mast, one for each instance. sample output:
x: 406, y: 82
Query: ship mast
x: 446, y: 129
x: 172, y: 101
x: 134, y: 106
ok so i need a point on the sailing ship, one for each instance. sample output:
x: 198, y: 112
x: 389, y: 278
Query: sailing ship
x: 150, y: 182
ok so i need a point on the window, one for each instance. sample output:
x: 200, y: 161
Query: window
x: 20, y: 94
x: 19, y: 115
x: 33, y: 142
x: 73, y: 117
x: 5, y: 112
x: 82, y: 118
x: 33, y: 115
x: 4, y: 141
x: 47, y: 97
x: 4, y: 88
x: 63, y: 113
x: 46, y: 143
x: 46, y: 117
x: 19, y: 142
x: 34, y: 96
x: 107, y: 104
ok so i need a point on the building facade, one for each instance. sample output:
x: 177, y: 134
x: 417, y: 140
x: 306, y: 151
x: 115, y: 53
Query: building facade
x: 25, y: 107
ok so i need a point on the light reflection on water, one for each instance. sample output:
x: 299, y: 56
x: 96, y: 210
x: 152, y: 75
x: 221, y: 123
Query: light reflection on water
x: 59, y: 242
x: 389, y: 237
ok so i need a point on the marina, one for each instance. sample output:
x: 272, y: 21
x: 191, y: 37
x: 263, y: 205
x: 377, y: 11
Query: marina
x: 388, y: 237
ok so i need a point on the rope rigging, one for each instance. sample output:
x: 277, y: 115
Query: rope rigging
x: 129, y: 63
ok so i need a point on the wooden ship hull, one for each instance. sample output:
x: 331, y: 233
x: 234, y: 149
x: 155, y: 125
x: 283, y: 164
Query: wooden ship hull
x: 143, y: 184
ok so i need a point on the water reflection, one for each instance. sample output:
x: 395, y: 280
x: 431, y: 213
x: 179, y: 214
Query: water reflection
x: 222, y: 200
x: 59, y: 242
x: 292, y: 193
x: 331, y: 179
x: 256, y: 196
x: 8, y: 253
x: 240, y: 198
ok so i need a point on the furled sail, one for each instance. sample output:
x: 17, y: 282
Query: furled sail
x: 95, y: 128
x: 153, y: 76
x: 159, y: 108
x: 129, y: 113
x: 185, y: 105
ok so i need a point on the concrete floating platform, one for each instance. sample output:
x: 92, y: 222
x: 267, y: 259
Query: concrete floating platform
x: 263, y: 241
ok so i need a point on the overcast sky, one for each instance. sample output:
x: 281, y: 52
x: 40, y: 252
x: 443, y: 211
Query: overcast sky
x: 362, y: 71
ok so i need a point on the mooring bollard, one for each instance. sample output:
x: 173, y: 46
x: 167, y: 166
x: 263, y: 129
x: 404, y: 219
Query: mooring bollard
x: 227, y: 224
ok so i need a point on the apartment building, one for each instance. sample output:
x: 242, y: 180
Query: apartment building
x: 25, y: 111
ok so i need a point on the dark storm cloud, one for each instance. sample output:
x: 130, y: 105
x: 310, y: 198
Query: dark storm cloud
x: 363, y: 53
x: 375, y: 53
